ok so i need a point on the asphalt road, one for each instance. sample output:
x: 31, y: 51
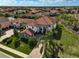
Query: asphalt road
x: 3, y: 55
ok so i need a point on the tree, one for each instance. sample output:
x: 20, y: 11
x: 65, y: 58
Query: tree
x: 7, y: 15
x: 16, y: 33
x: 57, y: 32
x: 15, y: 41
x: 24, y: 38
x: 76, y: 26
x: 16, y: 38
x: 8, y: 41
x: 50, y: 49
x: 0, y: 30
x: 22, y: 25
x: 32, y: 42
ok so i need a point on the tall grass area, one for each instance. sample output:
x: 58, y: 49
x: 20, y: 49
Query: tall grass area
x: 70, y: 42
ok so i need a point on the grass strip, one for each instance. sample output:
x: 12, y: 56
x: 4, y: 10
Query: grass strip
x: 7, y: 52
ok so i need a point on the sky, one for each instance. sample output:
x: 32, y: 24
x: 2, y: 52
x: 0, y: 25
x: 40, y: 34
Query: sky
x: 39, y: 2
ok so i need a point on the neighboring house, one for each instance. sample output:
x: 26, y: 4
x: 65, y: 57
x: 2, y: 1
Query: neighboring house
x: 4, y: 22
x: 4, y: 25
x: 38, y: 26
x: 16, y: 22
x: 53, y: 12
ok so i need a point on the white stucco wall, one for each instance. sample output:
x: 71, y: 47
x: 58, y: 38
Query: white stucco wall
x: 8, y: 34
x: 34, y: 28
x: 49, y: 28
x: 55, y: 25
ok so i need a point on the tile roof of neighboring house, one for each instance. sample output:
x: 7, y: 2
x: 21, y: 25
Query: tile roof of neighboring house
x: 3, y: 19
x: 4, y: 22
x: 27, y: 31
x: 18, y: 20
x: 45, y: 20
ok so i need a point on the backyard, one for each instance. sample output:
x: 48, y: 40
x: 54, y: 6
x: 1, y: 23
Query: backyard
x: 24, y: 46
x: 70, y: 42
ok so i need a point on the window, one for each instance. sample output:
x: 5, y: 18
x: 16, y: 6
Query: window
x: 32, y: 27
x: 49, y: 25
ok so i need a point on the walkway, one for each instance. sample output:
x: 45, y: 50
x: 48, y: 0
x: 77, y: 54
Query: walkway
x: 13, y: 51
x: 36, y: 52
x: 4, y: 55
x: 8, y: 33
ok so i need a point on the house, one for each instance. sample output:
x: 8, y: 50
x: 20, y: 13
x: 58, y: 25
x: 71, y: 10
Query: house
x: 32, y: 25
x: 16, y: 22
x: 46, y: 22
x: 4, y: 25
x: 38, y: 26
x: 4, y: 22
x: 27, y: 32
x: 41, y: 25
x: 53, y: 12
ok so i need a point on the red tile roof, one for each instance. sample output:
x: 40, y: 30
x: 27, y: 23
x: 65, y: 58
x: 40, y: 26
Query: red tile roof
x: 4, y: 22
x: 32, y: 23
x: 45, y: 20
x: 27, y: 31
x: 53, y: 19
x: 48, y: 20
x: 18, y: 20
x: 41, y: 21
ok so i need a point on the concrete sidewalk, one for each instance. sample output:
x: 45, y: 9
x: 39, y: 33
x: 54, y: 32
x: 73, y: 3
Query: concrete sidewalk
x: 36, y: 52
x: 13, y: 51
x: 4, y: 55
x: 8, y: 34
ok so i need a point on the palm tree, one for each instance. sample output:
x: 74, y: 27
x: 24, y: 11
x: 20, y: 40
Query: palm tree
x: 32, y: 42
x: 16, y: 38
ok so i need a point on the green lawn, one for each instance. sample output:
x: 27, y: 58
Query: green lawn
x: 25, y: 48
x: 70, y: 43
x: 69, y: 40
x: 22, y: 47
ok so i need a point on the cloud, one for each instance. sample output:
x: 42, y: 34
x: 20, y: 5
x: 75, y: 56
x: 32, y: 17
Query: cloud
x: 34, y: 2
